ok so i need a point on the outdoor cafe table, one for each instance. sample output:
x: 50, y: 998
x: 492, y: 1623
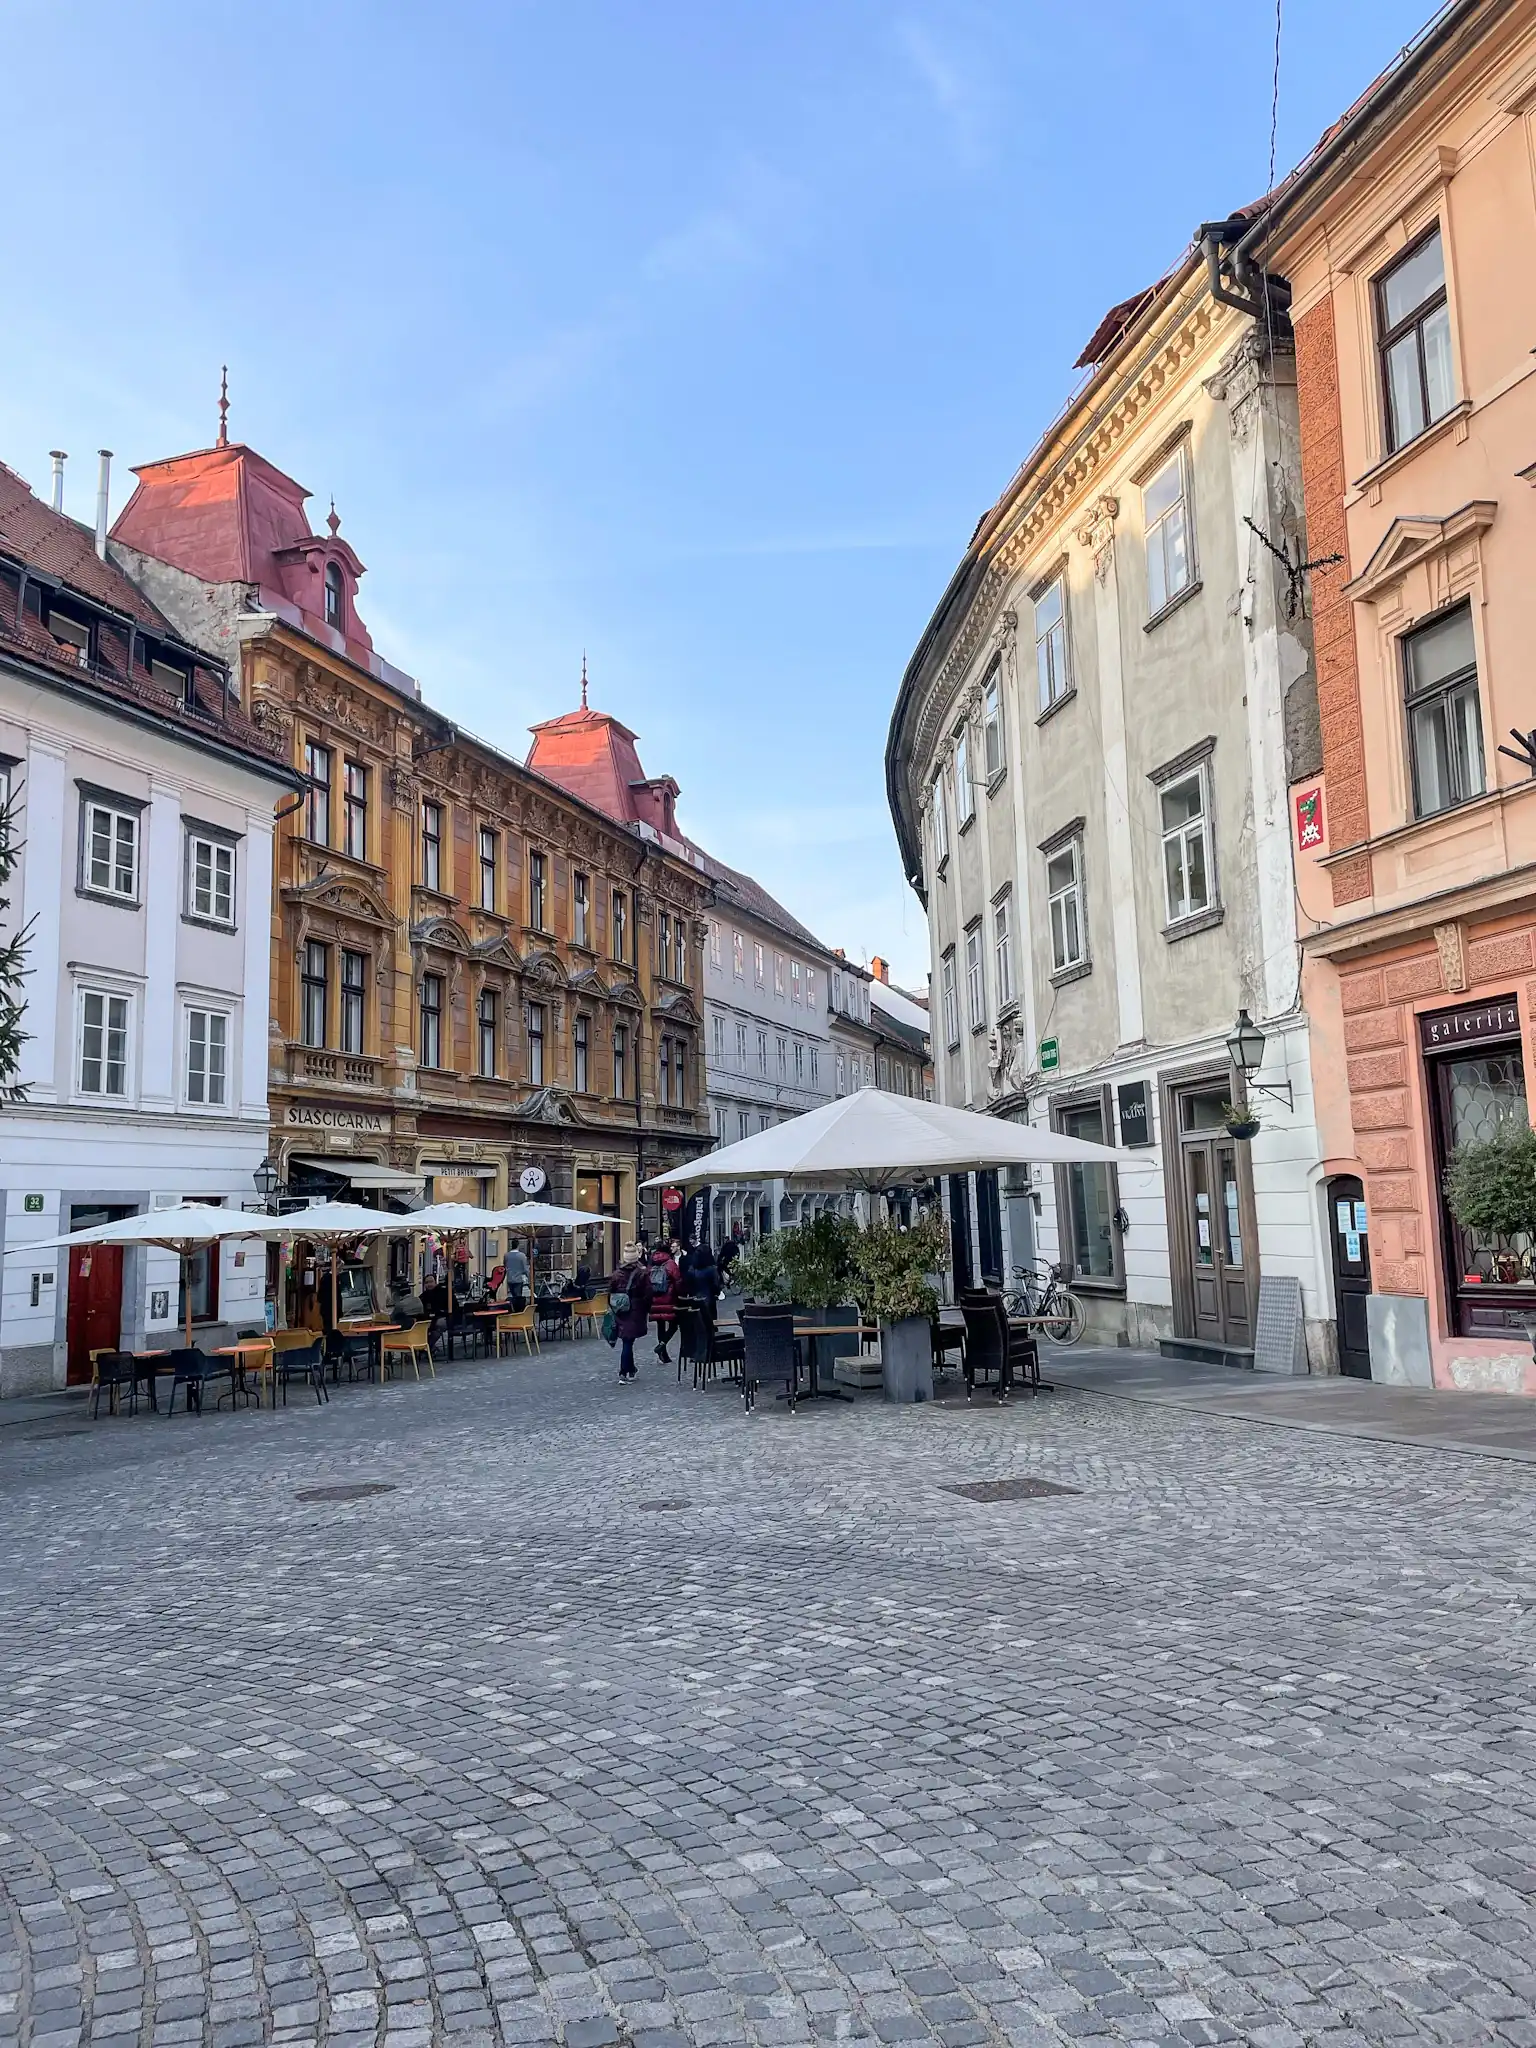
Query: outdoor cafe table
x: 374, y: 1327
x: 146, y: 1368
x: 244, y: 1348
x: 487, y: 1318
x: 815, y: 1391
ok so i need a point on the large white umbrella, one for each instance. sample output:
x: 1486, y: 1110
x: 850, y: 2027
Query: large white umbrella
x: 333, y: 1224
x: 549, y: 1216
x: 874, y: 1140
x: 183, y: 1228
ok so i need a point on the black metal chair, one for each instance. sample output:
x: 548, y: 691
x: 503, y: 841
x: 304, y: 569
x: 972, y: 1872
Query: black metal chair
x: 994, y: 1345
x: 308, y: 1366
x: 701, y: 1345
x: 114, y: 1371
x: 194, y: 1370
x: 553, y: 1313
x: 770, y: 1350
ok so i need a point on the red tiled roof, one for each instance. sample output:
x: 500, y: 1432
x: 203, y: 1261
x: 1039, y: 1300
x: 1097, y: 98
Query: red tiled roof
x: 62, y: 547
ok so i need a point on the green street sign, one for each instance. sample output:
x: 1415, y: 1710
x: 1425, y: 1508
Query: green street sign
x: 32, y: 1204
x: 1050, y: 1055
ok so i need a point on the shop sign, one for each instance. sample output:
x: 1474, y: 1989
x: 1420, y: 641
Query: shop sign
x: 1135, y: 1104
x: 1050, y: 1055
x: 315, y: 1116
x: 1498, y: 1019
x: 533, y: 1180
x: 1309, y: 817
x: 671, y: 1200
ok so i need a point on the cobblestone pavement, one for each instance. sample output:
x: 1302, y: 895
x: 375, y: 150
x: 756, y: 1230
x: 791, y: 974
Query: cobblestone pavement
x: 626, y: 1717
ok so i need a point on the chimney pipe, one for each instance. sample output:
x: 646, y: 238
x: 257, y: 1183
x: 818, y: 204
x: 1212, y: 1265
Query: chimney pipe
x: 103, y: 491
x: 59, y: 460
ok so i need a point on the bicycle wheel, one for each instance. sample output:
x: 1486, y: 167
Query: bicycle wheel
x: 1065, y: 1320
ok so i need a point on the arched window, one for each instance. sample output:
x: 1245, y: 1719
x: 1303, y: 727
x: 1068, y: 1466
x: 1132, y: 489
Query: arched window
x: 333, y: 595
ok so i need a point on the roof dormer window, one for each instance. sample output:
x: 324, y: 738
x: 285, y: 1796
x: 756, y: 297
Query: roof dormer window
x: 333, y: 595
x: 73, y: 636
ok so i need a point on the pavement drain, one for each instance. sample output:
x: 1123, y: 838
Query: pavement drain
x: 357, y: 1490
x: 663, y: 1507
x: 1009, y: 1489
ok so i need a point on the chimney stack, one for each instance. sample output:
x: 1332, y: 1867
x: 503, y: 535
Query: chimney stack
x: 59, y: 460
x: 103, y: 491
x: 880, y: 969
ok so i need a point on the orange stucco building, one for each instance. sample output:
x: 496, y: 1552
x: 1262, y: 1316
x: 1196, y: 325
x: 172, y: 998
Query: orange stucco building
x: 1408, y: 240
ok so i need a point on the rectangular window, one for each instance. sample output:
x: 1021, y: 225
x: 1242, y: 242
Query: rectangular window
x: 717, y: 1125
x: 317, y: 800
x: 951, y: 1000
x: 783, y: 1045
x: 940, y: 810
x: 718, y: 1039
x: 810, y: 988
x: 742, y: 1123
x: 487, y: 1028
x: 431, y: 1020
x: 680, y: 949
x: 664, y: 944
x: 538, y: 884
x: 1091, y: 1200
x: 1051, y: 644
x: 354, y: 804
x: 738, y: 948
x: 975, y: 979
x: 620, y: 924
x: 489, y: 864
x: 714, y: 942
x: 315, y: 992
x: 1064, y: 894
x: 621, y: 1061
x: 536, y: 1044
x: 757, y: 962
x: 210, y: 879
x: 112, y: 851
x: 741, y: 1047
x: 432, y: 846
x: 664, y: 1070
x: 581, y: 1041
x: 679, y: 1073
x: 965, y: 796
x: 837, y: 990
x: 799, y: 1061
x: 762, y: 1052
x: 354, y: 1000
x: 1002, y: 950
x: 1165, y: 513
x: 1186, y: 846
x: 992, y: 729
x: 778, y: 975
x: 815, y: 1067
x: 103, y: 1044
x: 208, y: 1057
x: 1445, y: 728
x: 840, y: 1073
x: 794, y: 980
x: 581, y: 910
x: 1413, y: 329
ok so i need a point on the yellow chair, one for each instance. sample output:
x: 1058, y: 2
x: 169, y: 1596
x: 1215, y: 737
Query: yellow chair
x: 589, y: 1313
x: 413, y: 1344
x: 517, y: 1323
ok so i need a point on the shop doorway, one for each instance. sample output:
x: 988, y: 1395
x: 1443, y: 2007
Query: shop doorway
x: 1476, y: 1073
x: 1216, y: 1238
x: 94, y: 1312
x: 1351, y: 1273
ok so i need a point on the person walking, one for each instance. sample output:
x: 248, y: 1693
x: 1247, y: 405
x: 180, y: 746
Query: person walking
x: 700, y: 1281
x: 663, y: 1276
x: 516, y: 1274
x: 629, y: 1300
x: 730, y: 1252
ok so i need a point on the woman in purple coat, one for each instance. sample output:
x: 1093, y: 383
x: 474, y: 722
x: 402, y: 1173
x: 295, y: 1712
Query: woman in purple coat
x: 633, y: 1280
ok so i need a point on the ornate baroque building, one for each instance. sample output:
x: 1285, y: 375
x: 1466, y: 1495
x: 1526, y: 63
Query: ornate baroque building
x: 467, y: 975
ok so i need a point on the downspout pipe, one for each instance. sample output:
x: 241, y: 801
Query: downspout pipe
x: 1253, y: 290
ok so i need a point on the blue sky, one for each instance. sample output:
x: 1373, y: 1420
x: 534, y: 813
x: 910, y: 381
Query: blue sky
x: 694, y: 335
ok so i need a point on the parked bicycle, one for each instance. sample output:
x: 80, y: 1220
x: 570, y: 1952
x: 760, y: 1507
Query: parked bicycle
x: 1041, y: 1293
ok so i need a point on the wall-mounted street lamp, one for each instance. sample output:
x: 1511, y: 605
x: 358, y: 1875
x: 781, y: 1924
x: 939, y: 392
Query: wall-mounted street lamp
x: 1245, y: 1049
x: 267, y: 1182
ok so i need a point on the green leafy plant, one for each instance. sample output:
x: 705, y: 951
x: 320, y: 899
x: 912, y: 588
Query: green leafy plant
x: 818, y: 1260
x: 1491, y: 1186
x: 12, y: 967
x: 1241, y: 1122
x: 759, y: 1272
x: 892, y: 1267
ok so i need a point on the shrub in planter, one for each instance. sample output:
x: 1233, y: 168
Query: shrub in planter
x: 1491, y: 1188
x: 759, y: 1272
x: 892, y: 1281
x: 818, y: 1260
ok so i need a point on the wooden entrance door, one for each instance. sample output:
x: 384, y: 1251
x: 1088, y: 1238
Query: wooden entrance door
x: 1351, y: 1273
x: 1218, y: 1250
x: 94, y: 1318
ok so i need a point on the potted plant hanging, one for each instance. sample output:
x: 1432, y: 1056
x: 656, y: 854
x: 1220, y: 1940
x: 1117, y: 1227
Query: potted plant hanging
x: 893, y: 1269
x: 1239, y: 1123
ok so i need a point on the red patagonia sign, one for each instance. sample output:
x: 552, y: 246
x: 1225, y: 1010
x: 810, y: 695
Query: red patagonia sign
x: 1309, y: 817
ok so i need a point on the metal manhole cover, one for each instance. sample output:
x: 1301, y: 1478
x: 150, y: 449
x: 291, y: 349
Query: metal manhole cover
x: 1009, y: 1489
x: 662, y: 1507
x: 357, y: 1490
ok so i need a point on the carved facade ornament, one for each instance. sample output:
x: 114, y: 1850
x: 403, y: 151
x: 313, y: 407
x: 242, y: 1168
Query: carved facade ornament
x: 1449, y: 944
x: 402, y: 788
x: 271, y: 720
x: 1097, y: 533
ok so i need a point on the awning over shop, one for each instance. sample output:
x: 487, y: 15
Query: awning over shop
x: 363, y: 1173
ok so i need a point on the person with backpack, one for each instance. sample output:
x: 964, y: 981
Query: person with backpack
x: 629, y: 1307
x: 663, y: 1276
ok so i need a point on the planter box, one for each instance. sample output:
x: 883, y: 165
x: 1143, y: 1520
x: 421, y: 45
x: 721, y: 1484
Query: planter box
x: 906, y: 1359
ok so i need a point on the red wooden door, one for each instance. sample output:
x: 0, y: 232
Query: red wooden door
x: 95, y: 1313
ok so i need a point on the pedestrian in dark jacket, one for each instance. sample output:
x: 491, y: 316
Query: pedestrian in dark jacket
x: 700, y: 1281
x: 729, y: 1253
x: 663, y: 1275
x: 631, y: 1279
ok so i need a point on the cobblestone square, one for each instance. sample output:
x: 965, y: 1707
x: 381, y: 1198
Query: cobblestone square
x: 626, y: 1717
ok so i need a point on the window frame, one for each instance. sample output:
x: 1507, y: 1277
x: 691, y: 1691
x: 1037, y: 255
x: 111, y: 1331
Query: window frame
x: 738, y: 957
x: 743, y: 1046
x: 1462, y: 681
x: 975, y: 976
x: 1070, y: 842
x: 352, y: 1004
x: 335, y: 598
x: 318, y: 791
x: 1203, y: 827
x: 487, y: 868
x: 533, y: 1024
x: 354, y: 808
x: 107, y: 996
x: 430, y: 837
x: 488, y: 1033
x: 619, y: 909
x: 993, y: 736
x: 197, y: 836
x: 581, y: 1053
x: 538, y: 889
x: 309, y: 981
x: 621, y: 1062
x: 209, y: 1014
x: 430, y: 1014
x: 1185, y: 503
x: 950, y: 996
x: 965, y: 794
x: 118, y: 811
x: 1062, y: 1108
x: 1055, y: 641
x: 1002, y: 950
x: 1388, y: 335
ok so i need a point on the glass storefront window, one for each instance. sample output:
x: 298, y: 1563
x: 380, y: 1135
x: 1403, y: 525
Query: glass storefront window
x: 1482, y: 1095
x: 1091, y: 1199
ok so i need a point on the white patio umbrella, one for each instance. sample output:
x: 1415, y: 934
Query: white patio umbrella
x: 873, y: 1140
x: 532, y: 1216
x: 184, y: 1228
x: 333, y: 1224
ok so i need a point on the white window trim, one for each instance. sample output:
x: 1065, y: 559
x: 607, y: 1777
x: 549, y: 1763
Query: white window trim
x: 197, y: 836
x: 965, y: 793
x: 940, y: 809
x: 209, y: 1007
x: 992, y: 721
x: 950, y: 996
x: 1199, y: 772
x: 134, y: 813
x: 1057, y: 582
x: 1003, y: 974
x: 976, y: 983
x: 98, y: 984
x: 1186, y: 498
x: 1072, y: 844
